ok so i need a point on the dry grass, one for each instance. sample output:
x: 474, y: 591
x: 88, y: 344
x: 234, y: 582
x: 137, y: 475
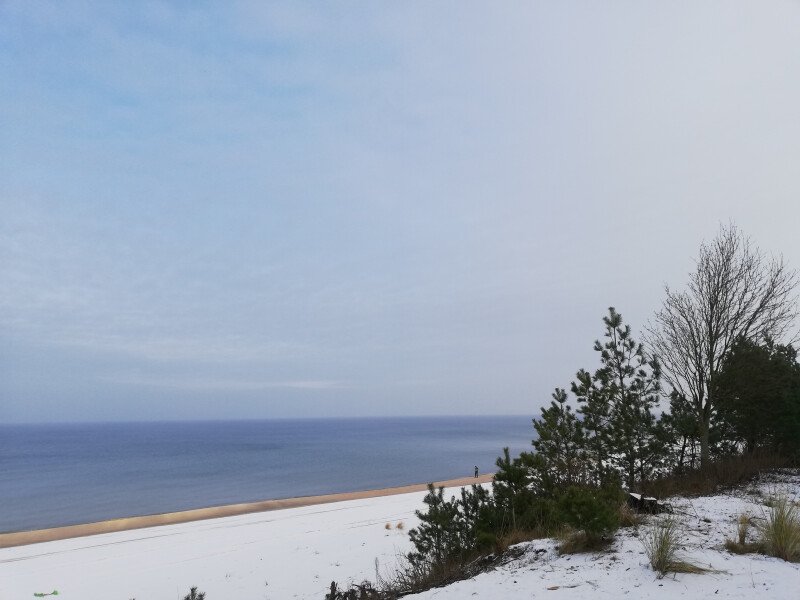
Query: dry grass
x: 743, y: 524
x: 400, y: 525
x: 661, y: 544
x: 741, y: 545
x: 747, y: 548
x: 781, y: 532
x: 629, y: 517
x: 387, y: 526
x: 517, y: 536
x: 575, y: 542
x: 721, y: 474
x: 413, y: 577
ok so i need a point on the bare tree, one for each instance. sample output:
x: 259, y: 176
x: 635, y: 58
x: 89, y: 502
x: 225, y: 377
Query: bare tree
x: 735, y: 292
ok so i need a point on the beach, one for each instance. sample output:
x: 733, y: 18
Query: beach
x: 290, y: 548
x: 295, y: 553
x: 22, y: 538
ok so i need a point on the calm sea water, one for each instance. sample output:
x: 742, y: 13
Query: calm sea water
x: 52, y: 475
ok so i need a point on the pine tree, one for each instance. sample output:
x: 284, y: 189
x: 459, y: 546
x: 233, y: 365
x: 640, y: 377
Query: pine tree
x: 194, y: 595
x: 510, y: 486
x: 679, y: 429
x: 595, y: 411
x: 560, y: 459
x: 437, y: 537
x: 758, y: 391
x: 631, y: 383
x: 477, y: 518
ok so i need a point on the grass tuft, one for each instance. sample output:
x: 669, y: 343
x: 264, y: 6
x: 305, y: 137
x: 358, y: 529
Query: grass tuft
x: 781, y: 532
x: 743, y: 524
x: 747, y: 548
x: 661, y: 544
x: 741, y: 545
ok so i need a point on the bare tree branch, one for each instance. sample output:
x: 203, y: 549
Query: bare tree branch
x: 735, y: 292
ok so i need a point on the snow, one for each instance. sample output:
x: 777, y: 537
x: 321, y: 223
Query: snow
x: 296, y: 553
x: 624, y: 571
x: 292, y: 553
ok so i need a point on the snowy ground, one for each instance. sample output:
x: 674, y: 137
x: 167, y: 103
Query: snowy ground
x: 283, y: 554
x: 296, y: 553
x: 623, y: 571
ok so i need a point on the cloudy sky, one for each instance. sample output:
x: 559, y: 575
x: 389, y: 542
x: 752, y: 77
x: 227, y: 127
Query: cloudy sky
x: 248, y: 210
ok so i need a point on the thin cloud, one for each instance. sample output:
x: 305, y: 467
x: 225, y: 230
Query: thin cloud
x: 203, y: 384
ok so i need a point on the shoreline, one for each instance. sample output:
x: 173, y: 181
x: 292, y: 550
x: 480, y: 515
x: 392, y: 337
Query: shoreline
x: 36, y: 536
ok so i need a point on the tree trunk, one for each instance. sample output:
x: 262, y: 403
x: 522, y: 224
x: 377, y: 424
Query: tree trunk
x: 631, y: 470
x: 704, y: 451
x: 683, y: 454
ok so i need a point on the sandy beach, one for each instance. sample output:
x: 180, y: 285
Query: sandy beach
x: 22, y: 538
x: 294, y: 553
x: 287, y: 549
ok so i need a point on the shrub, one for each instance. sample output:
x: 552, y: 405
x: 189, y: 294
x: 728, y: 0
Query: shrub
x: 661, y: 545
x: 421, y: 574
x: 594, y: 512
x: 439, y: 535
x: 456, y: 537
x: 781, y: 533
x: 455, y: 530
x: 363, y: 591
x: 726, y: 472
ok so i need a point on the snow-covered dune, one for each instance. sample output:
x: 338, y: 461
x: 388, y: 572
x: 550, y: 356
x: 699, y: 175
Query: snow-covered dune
x: 624, y: 572
x: 296, y: 553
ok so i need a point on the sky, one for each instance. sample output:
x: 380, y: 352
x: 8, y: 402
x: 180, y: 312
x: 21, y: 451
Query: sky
x: 241, y: 210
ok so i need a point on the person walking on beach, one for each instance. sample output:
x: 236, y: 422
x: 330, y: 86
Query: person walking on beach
x: 476, y: 471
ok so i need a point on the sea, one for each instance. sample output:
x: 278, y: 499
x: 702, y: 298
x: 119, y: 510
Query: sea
x: 65, y: 474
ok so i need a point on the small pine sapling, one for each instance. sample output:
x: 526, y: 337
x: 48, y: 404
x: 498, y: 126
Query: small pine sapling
x: 194, y: 595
